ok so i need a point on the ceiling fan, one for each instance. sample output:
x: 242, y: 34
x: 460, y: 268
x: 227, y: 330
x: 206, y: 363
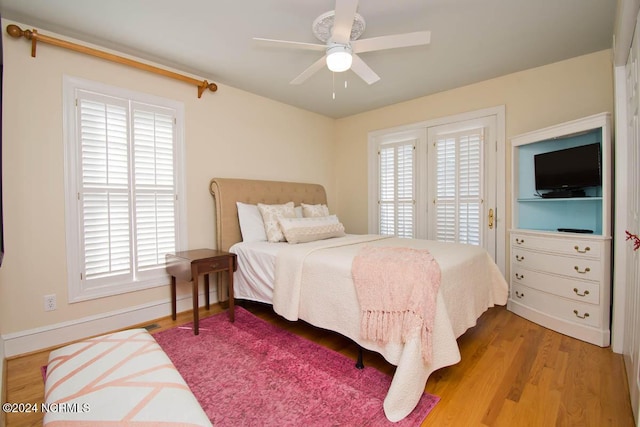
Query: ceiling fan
x: 340, y: 29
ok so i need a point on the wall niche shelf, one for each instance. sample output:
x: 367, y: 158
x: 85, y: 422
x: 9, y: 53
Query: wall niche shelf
x: 560, y: 279
x: 559, y: 199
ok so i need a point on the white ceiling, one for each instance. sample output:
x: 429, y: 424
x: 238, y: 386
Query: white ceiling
x: 471, y: 41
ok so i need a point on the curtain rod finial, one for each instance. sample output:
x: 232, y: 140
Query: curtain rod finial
x: 14, y: 31
x: 17, y: 32
x: 206, y: 85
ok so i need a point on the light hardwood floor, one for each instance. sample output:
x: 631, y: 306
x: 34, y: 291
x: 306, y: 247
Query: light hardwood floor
x: 512, y: 373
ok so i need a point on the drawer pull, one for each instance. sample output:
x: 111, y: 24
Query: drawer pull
x: 584, y: 294
x: 580, y: 317
x: 519, y: 241
x: 519, y: 294
x: 585, y: 271
x: 584, y: 251
x: 519, y: 276
x: 521, y: 258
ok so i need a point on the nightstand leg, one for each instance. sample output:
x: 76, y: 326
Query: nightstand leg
x: 173, y: 297
x: 232, y: 314
x: 206, y: 290
x: 196, y: 314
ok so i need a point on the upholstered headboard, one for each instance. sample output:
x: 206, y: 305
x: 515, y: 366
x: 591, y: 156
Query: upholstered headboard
x: 228, y: 191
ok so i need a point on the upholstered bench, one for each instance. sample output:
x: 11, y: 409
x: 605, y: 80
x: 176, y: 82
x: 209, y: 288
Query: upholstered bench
x: 120, y: 378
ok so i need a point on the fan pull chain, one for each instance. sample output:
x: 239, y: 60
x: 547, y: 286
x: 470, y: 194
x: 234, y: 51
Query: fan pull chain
x: 333, y: 80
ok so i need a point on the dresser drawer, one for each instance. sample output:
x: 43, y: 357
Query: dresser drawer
x: 579, y: 268
x: 569, y: 246
x: 573, y: 311
x: 579, y: 290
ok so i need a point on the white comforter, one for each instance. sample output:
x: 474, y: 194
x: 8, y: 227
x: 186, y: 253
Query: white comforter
x: 313, y: 282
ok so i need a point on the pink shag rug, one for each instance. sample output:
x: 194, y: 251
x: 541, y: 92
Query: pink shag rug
x: 252, y: 373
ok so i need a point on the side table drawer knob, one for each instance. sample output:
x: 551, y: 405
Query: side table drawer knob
x: 582, y: 251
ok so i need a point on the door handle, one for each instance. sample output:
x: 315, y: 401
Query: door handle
x: 491, y: 219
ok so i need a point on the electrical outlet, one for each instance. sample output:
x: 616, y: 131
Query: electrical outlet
x: 50, y: 302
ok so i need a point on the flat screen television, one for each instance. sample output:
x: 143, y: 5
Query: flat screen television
x: 566, y: 173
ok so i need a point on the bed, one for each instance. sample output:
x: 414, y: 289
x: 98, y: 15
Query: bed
x: 312, y: 281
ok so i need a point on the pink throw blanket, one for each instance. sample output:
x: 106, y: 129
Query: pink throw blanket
x: 397, y: 289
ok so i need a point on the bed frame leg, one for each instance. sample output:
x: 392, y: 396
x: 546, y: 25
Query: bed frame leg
x: 359, y: 362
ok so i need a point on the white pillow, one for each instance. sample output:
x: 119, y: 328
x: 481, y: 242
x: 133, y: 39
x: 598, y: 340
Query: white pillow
x: 310, y: 211
x: 271, y: 214
x: 302, y: 230
x: 251, y: 223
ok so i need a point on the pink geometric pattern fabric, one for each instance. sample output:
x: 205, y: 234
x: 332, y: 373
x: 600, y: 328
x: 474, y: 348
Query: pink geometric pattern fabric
x: 122, y: 378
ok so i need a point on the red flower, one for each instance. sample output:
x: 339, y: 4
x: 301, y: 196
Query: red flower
x: 636, y: 240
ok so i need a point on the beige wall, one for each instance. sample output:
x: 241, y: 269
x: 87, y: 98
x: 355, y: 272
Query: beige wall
x: 230, y: 133
x: 533, y: 99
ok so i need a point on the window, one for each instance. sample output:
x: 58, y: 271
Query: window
x: 123, y: 179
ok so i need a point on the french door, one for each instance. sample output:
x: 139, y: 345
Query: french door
x: 438, y: 180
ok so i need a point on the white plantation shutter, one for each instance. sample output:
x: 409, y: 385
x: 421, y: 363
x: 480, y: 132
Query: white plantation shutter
x: 126, y: 181
x: 154, y: 189
x: 104, y: 187
x: 458, y: 181
x: 397, y: 189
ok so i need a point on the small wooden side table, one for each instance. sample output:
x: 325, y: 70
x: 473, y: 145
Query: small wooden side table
x: 189, y: 265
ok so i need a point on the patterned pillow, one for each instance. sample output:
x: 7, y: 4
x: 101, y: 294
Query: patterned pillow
x: 312, y: 211
x: 270, y: 215
x: 302, y: 230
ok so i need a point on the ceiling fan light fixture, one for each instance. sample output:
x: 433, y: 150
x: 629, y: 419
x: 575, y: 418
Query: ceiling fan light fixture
x: 339, y: 58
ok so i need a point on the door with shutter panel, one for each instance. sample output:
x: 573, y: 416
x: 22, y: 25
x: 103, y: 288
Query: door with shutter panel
x: 462, y: 177
x: 397, y: 188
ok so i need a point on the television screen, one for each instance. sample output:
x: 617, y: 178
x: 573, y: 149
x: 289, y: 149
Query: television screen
x: 568, y: 169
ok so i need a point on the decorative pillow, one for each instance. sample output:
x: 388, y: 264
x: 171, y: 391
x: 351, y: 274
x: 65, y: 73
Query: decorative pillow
x: 311, y: 211
x: 251, y: 223
x: 302, y: 230
x: 298, y: 210
x: 271, y: 214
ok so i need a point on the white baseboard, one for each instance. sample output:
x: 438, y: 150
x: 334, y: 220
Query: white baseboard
x: 36, y: 339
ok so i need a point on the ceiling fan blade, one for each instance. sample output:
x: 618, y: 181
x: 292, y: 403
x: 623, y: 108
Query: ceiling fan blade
x: 392, y: 41
x: 343, y: 21
x: 289, y: 44
x: 363, y: 70
x: 318, y: 65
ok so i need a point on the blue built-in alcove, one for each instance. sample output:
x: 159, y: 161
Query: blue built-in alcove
x: 536, y: 213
